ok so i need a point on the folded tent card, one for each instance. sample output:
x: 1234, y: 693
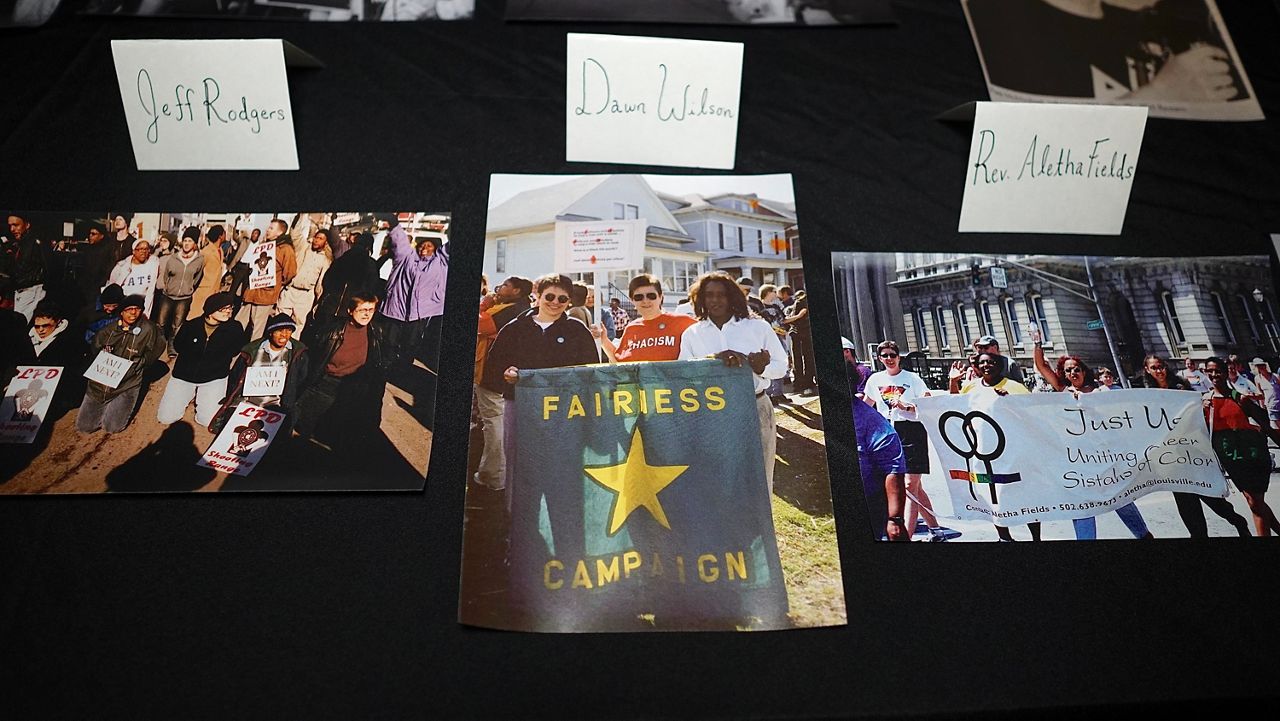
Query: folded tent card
x: 209, y: 104
x: 652, y: 101
x: 1046, y: 168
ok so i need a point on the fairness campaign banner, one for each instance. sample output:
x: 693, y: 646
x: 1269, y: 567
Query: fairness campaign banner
x: 639, y: 492
x: 1053, y: 456
x: 26, y: 402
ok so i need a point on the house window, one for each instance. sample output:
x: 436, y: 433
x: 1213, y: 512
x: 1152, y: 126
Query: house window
x: 1171, y: 318
x: 962, y: 326
x: 720, y: 227
x: 1248, y: 314
x: 760, y: 241
x: 940, y: 317
x: 740, y: 234
x: 625, y: 211
x: 1035, y: 306
x: 1224, y: 320
x: 922, y: 333
x: 986, y: 326
x: 1011, y: 320
x: 501, y: 249
x: 1273, y: 333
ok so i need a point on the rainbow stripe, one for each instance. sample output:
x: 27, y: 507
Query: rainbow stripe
x: 985, y: 477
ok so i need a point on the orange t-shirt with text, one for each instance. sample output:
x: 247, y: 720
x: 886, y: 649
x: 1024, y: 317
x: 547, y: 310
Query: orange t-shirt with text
x: 653, y: 340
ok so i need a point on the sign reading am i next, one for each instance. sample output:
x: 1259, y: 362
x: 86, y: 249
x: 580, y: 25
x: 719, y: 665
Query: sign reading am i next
x: 208, y: 104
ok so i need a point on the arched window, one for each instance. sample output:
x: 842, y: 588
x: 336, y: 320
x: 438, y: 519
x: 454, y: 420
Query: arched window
x: 987, y: 326
x: 1247, y: 309
x: 1035, y: 309
x: 1170, y: 310
x: 1224, y: 320
x: 963, y: 335
x: 1011, y: 320
x: 940, y: 317
x: 922, y: 329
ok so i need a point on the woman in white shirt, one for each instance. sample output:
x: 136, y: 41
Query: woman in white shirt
x: 893, y: 392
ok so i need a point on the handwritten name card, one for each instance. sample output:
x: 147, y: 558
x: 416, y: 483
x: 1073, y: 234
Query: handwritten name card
x: 652, y: 101
x: 207, y: 104
x: 1051, y: 168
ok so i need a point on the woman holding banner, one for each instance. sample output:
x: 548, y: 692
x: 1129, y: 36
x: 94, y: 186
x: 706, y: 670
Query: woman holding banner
x: 1156, y: 375
x: 1075, y: 376
x: 990, y: 381
x: 1241, y: 447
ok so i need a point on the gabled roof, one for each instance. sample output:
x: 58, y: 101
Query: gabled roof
x: 541, y: 205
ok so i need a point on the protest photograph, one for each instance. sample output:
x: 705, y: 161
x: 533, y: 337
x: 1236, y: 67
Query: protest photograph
x: 708, y: 12
x: 1174, y: 56
x: 316, y: 10
x: 647, y: 449
x: 177, y: 352
x: 1045, y: 397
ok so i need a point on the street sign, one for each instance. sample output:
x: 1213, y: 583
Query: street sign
x: 1095, y: 324
x: 998, y: 278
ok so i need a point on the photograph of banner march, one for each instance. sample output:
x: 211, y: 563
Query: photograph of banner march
x: 220, y: 351
x: 635, y: 495
x: 974, y: 333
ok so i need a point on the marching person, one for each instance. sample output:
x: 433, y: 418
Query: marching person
x: 354, y: 272
x: 204, y: 351
x: 211, y: 279
x: 138, y: 274
x: 726, y: 330
x: 97, y: 261
x: 804, y: 373
x: 258, y: 302
x: 341, y: 402
x: 1241, y: 449
x: 415, y: 292
x: 180, y: 276
x: 1194, y: 376
x: 882, y: 463
x: 1241, y: 380
x: 497, y: 309
x: 135, y: 339
x: 1008, y: 367
x: 1107, y: 379
x: 1269, y: 386
x: 1155, y: 374
x: 894, y: 392
x: 30, y: 260
x: 278, y: 349
x: 655, y: 335
x: 300, y: 295
x: 1074, y: 376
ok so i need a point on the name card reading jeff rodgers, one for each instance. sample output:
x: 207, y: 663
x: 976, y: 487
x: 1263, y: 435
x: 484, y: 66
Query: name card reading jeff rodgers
x: 1048, y: 168
x: 207, y: 104
x: 652, y: 101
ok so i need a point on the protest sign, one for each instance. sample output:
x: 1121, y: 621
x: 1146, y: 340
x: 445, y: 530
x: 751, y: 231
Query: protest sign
x: 265, y: 380
x: 26, y: 402
x: 244, y: 440
x: 599, y: 245
x: 108, y: 369
x: 261, y: 258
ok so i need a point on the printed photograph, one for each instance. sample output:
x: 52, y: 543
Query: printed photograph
x: 1044, y: 397
x: 647, y: 449
x: 20, y: 13
x: 319, y: 10
x: 177, y: 352
x: 1174, y: 56
x: 708, y: 12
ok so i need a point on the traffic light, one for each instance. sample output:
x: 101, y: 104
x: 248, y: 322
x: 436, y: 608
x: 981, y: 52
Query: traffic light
x: 976, y: 274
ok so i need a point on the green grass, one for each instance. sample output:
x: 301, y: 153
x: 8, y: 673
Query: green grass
x: 811, y: 564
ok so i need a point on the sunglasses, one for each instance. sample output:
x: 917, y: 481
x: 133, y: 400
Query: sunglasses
x: 1073, y: 369
x: 644, y: 296
x: 553, y: 298
x: 888, y: 355
x: 42, y: 325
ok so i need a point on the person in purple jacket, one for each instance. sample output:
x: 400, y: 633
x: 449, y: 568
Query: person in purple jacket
x: 415, y: 292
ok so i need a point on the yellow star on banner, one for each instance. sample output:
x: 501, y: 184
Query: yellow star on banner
x: 636, y: 484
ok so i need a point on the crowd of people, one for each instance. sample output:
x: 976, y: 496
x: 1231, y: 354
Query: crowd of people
x: 548, y: 323
x: 188, y: 307
x: 1242, y: 411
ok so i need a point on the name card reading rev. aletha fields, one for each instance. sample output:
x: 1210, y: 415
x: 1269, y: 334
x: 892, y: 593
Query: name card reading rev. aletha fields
x: 208, y: 104
x: 652, y: 101
x: 1049, y: 168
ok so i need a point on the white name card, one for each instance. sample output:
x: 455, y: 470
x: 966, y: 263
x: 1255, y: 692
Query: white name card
x: 264, y: 381
x: 208, y: 104
x: 652, y: 101
x: 1051, y: 168
x: 108, y: 369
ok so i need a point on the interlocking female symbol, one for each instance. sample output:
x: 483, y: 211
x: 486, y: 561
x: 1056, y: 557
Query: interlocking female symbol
x: 971, y: 437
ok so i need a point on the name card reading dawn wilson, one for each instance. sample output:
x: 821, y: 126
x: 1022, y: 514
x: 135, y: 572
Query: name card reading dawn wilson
x: 1051, y: 168
x: 652, y: 101
x: 207, y: 104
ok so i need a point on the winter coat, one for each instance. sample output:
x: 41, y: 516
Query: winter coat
x: 415, y: 287
x: 204, y: 358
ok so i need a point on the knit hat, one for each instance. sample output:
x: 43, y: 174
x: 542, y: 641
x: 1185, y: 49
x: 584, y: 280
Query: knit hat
x: 192, y: 233
x: 133, y: 301
x: 26, y: 217
x: 112, y: 295
x: 281, y: 320
x: 217, y: 301
x: 747, y: 281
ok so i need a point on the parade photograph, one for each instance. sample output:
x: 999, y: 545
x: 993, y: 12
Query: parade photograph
x: 1046, y: 397
x: 177, y: 352
x: 1174, y: 56
x: 647, y: 447
x: 708, y: 12
x: 314, y: 10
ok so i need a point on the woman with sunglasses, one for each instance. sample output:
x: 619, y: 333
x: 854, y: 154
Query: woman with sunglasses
x: 1156, y: 375
x: 655, y: 335
x: 1075, y: 376
x: 893, y: 392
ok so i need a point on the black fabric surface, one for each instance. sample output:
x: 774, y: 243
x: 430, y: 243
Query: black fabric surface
x: 344, y: 605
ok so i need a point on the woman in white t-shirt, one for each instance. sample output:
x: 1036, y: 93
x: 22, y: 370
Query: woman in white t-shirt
x: 893, y: 392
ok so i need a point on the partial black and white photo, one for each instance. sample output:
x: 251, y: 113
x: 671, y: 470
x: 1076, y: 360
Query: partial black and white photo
x: 319, y: 10
x: 1174, y: 56
x: 708, y: 12
x: 28, y: 12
